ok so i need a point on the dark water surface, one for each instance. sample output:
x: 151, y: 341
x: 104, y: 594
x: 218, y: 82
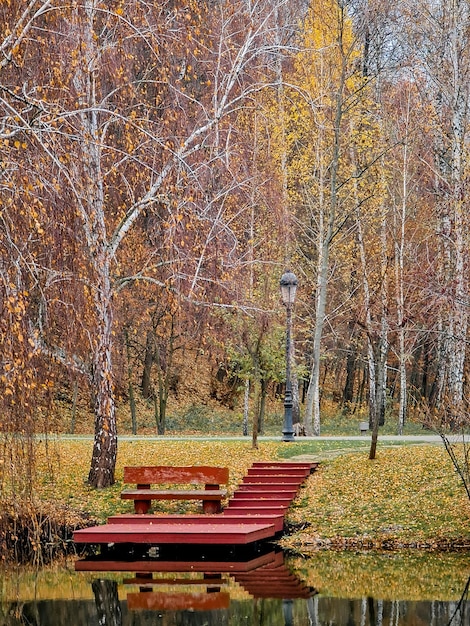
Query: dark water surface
x: 263, y: 589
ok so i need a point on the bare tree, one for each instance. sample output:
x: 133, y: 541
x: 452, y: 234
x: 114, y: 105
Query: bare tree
x: 128, y: 116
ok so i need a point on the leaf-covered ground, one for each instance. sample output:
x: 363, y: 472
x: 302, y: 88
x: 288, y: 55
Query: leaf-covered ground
x: 63, y: 466
x: 409, y: 496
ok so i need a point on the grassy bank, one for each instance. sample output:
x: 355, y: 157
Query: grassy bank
x: 409, y: 497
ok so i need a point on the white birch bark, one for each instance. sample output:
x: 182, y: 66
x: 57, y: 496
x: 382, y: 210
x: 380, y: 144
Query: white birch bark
x: 400, y: 216
x: 312, y: 408
x: 368, y: 321
x: 246, y: 406
x: 102, y: 238
x: 93, y: 210
x: 440, y: 31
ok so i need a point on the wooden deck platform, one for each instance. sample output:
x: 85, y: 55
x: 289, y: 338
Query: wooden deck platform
x: 254, y: 513
x: 155, y: 533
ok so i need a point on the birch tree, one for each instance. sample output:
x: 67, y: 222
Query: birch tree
x: 439, y: 38
x: 325, y: 87
x: 24, y: 381
x: 131, y: 115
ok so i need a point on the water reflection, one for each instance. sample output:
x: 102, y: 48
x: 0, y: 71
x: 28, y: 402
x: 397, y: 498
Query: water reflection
x: 261, y: 575
x: 460, y: 616
x: 261, y: 589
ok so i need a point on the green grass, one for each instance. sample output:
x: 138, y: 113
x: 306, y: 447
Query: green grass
x: 410, y: 496
x: 215, y: 420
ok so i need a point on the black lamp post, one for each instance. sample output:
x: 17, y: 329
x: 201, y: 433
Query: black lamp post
x: 288, y: 285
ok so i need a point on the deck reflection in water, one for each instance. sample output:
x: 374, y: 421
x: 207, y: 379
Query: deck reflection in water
x: 261, y: 574
x: 217, y: 588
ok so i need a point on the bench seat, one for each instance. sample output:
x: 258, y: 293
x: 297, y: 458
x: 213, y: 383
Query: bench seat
x: 173, y: 494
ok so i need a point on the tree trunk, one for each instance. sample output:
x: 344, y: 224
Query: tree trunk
x: 262, y: 405
x: 130, y: 386
x: 400, y: 239
x: 312, y: 411
x: 159, y: 418
x: 246, y: 407
x: 107, y: 603
x: 348, y: 389
x: 163, y: 385
x: 254, y: 442
x: 146, y: 384
x: 103, y: 461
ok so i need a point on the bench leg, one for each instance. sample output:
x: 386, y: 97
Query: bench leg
x: 141, y: 506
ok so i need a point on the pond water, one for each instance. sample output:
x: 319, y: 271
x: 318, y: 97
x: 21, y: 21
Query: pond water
x: 264, y: 588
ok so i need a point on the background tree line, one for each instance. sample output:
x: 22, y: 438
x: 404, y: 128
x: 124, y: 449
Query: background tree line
x: 163, y: 163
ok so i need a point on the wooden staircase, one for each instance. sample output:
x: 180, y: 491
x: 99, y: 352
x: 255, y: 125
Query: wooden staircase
x: 268, y: 488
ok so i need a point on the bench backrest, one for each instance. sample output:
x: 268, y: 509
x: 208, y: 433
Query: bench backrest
x: 195, y: 474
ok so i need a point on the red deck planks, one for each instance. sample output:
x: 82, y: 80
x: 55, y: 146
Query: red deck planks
x: 220, y: 518
x: 155, y: 533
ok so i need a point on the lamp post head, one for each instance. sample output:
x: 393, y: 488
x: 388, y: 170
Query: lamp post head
x: 288, y: 284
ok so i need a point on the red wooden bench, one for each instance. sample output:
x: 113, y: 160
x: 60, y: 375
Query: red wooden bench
x: 176, y: 480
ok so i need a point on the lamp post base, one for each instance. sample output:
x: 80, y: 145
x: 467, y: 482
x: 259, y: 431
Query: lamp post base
x: 288, y: 430
x: 288, y: 435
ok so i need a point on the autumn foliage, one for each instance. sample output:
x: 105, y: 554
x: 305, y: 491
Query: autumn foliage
x: 163, y: 163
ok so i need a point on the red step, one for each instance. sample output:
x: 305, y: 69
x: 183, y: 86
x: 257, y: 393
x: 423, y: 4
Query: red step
x: 282, y: 464
x: 262, y: 497
x: 273, y: 581
x: 292, y: 488
x: 279, y: 479
x: 272, y: 471
x: 255, y: 509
